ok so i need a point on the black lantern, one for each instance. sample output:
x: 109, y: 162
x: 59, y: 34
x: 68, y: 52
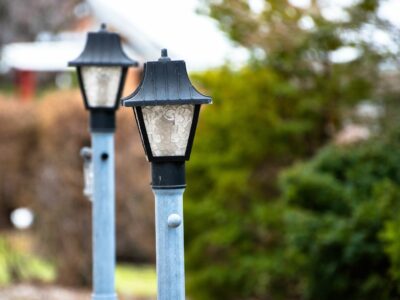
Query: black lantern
x: 167, y: 108
x: 102, y: 68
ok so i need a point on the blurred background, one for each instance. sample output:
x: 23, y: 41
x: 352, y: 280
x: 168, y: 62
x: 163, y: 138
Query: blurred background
x: 294, y: 181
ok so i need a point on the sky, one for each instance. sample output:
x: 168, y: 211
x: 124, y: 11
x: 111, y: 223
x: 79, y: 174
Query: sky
x: 197, y: 39
x: 390, y: 9
x: 175, y: 25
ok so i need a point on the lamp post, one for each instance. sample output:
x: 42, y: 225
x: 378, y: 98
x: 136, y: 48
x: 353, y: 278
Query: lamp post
x: 167, y: 108
x: 101, y: 69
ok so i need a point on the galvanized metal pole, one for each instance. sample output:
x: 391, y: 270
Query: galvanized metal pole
x: 103, y: 216
x: 169, y: 244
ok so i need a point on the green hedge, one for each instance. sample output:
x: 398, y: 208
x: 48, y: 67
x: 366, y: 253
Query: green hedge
x: 341, y: 220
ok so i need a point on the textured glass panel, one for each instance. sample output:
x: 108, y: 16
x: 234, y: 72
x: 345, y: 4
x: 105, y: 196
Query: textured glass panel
x: 101, y: 85
x: 168, y: 128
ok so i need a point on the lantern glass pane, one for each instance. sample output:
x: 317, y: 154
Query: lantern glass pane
x: 168, y: 128
x: 101, y: 85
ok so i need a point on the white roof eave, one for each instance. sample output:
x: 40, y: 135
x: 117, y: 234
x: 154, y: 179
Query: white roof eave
x: 40, y: 56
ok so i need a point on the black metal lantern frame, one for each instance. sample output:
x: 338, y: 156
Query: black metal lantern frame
x: 165, y: 82
x: 102, y: 49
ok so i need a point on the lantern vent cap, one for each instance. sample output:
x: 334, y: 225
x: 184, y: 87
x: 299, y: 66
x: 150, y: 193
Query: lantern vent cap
x: 103, y: 48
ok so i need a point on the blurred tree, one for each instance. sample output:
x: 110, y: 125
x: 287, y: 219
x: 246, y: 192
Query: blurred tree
x: 22, y: 21
x: 40, y: 168
x: 301, y: 45
x: 18, y: 123
x: 63, y: 214
x: 283, y: 106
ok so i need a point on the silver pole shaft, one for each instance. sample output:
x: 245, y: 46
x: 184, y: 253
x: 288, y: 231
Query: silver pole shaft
x: 169, y: 244
x: 103, y: 217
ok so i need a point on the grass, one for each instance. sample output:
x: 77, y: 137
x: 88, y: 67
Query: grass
x: 136, y: 280
x: 19, y: 264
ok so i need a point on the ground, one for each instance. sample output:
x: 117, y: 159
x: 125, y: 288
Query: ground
x: 41, y: 292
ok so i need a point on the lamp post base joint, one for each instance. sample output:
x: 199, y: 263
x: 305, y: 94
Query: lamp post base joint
x: 168, y: 175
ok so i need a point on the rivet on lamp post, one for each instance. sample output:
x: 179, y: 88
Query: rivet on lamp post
x: 167, y: 108
x: 102, y: 68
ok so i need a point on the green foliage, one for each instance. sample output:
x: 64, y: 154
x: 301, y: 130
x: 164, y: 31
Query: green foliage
x: 230, y: 144
x: 318, y: 192
x: 350, y: 255
x: 283, y: 106
x: 340, y: 252
x: 391, y: 236
x: 254, y: 128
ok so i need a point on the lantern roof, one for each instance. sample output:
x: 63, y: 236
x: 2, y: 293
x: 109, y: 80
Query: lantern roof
x: 103, y: 48
x: 165, y: 82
